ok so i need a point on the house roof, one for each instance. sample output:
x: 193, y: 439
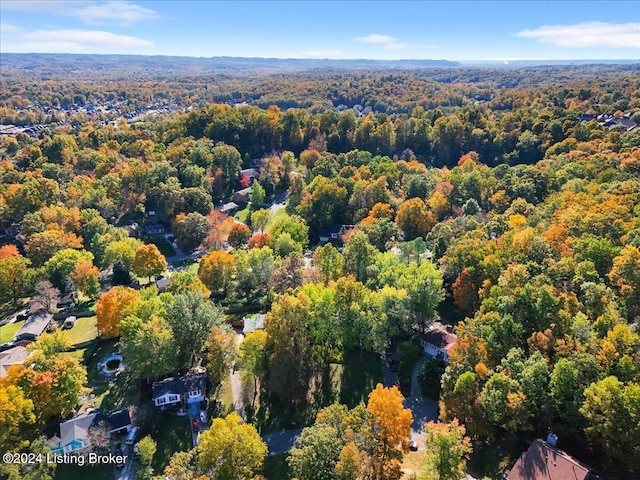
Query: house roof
x: 228, y: 206
x: 244, y: 191
x: 249, y: 172
x: 180, y: 385
x: 116, y: 420
x: 253, y: 324
x: 440, y: 338
x: 35, y: 325
x: 77, y: 428
x: 542, y: 461
x: 14, y: 356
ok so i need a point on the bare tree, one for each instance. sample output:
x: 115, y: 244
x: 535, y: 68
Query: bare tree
x: 47, y: 296
x: 99, y: 437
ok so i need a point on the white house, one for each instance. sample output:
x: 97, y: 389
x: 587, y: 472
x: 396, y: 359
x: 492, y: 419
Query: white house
x: 176, y: 391
x: 438, y: 341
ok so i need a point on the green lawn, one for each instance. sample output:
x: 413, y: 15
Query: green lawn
x: 75, y: 472
x: 353, y: 379
x: 242, y: 215
x: 83, y: 331
x: 172, y: 434
x: 8, y: 331
x: 164, y: 246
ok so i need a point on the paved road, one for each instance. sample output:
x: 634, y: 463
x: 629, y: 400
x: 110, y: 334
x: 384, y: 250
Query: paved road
x: 423, y: 409
x: 281, y: 442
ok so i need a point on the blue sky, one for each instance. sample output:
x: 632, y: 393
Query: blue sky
x: 453, y: 30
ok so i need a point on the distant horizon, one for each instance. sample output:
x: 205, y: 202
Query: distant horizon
x: 462, y: 31
x: 359, y: 59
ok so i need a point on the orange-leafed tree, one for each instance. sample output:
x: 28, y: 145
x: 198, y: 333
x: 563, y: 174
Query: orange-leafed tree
x: 392, y: 426
x: 260, y: 240
x: 148, y: 261
x: 465, y: 293
x: 239, y: 235
x: 216, y: 271
x: 85, y: 277
x: 9, y: 251
x: 112, y: 307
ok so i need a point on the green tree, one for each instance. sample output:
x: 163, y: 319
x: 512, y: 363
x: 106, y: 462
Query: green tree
x: 231, y: 450
x: 191, y: 230
x: 149, y: 346
x: 316, y: 453
x: 220, y: 353
x: 16, y: 418
x: 252, y: 358
x: 147, y: 447
x: 358, y: 256
x: 329, y: 261
x: 447, y: 450
x: 62, y: 264
x: 260, y: 219
x: 258, y: 195
x: 191, y: 317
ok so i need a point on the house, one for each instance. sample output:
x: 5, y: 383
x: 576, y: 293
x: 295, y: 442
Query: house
x: 34, y: 326
x: 14, y: 356
x: 438, y: 341
x: 250, y: 173
x: 544, y: 461
x: 229, y: 208
x: 334, y: 232
x: 163, y: 283
x: 74, y: 434
x: 242, y: 196
x: 253, y: 324
x: 65, y: 301
x: 154, y: 229
x: 176, y: 391
x: 132, y: 229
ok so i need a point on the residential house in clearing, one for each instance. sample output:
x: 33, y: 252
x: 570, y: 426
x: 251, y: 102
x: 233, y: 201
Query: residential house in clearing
x: 250, y: 173
x: 189, y: 388
x: 438, y: 341
x: 34, y: 326
x: 333, y: 233
x: 229, y: 208
x: 543, y: 461
x: 73, y: 435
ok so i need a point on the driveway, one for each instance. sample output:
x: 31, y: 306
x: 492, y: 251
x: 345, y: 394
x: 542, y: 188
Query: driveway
x: 237, y: 389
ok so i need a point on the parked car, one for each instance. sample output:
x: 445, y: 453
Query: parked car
x: 23, y: 315
x: 203, y: 416
x: 413, y: 446
x: 135, y: 451
x: 131, y: 436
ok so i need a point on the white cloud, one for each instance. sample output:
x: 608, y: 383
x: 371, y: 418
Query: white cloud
x: 33, y: 5
x: 70, y: 41
x: 376, y: 38
x: 330, y: 53
x: 589, y: 34
x: 122, y: 12
x: 8, y: 28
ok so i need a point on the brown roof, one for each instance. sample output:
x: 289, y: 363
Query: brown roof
x: 440, y: 338
x: 544, y: 462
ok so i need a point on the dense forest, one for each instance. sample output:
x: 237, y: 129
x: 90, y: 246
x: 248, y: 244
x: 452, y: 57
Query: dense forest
x: 505, y: 202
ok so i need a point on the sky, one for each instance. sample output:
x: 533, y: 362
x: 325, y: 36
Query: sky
x: 473, y: 30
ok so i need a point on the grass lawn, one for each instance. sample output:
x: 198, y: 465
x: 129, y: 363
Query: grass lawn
x: 8, y: 331
x: 172, y: 434
x: 83, y: 331
x: 164, y: 246
x: 493, y: 459
x: 353, y: 379
x: 242, y: 215
x: 75, y: 472
x: 411, y: 464
x: 276, y: 467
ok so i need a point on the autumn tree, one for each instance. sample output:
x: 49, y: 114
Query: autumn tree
x: 85, y: 277
x: 219, y: 353
x: 392, y: 424
x: 16, y: 278
x: 112, y: 307
x: 415, y: 219
x: 231, y: 449
x: 148, y: 261
x: 447, y: 450
x: 239, y: 235
x: 16, y: 418
x: 9, y: 251
x: 216, y: 271
x: 252, y: 357
x: 147, y: 447
x: 62, y: 264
